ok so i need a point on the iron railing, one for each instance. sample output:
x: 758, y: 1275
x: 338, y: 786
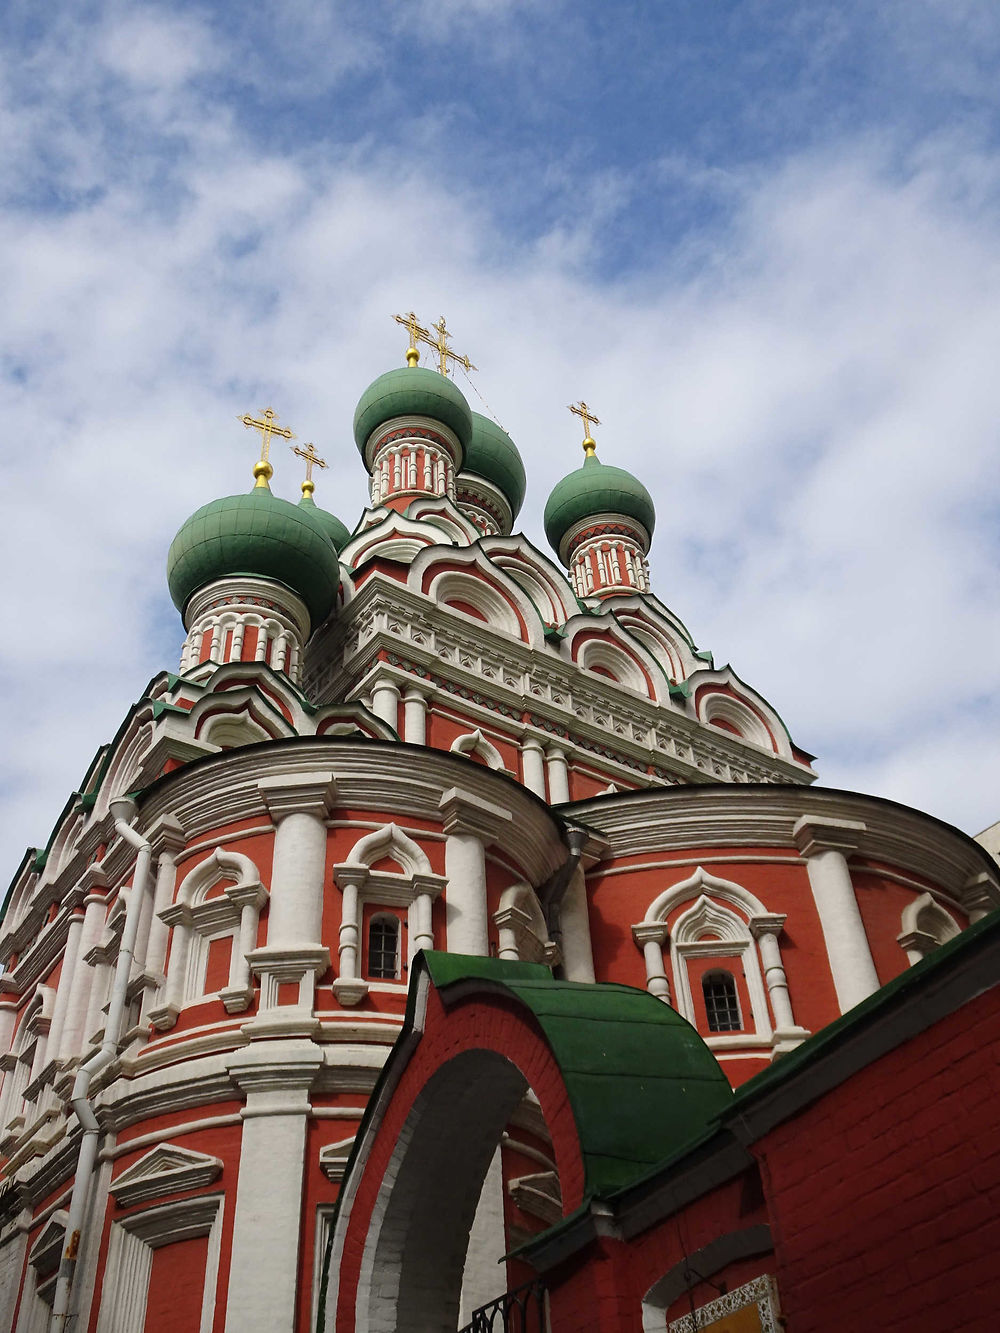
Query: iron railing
x: 519, y: 1311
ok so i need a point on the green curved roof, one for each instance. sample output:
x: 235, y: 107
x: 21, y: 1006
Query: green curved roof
x: 593, y: 489
x: 412, y: 391
x: 260, y: 535
x: 330, y: 523
x: 494, y: 455
x: 641, y: 1081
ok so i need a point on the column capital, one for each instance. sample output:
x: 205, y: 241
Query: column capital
x: 166, y: 835
x: 814, y: 835
x: 770, y: 923
x: 979, y: 894
x: 532, y: 743
x: 299, y: 794
x: 464, y: 813
x: 650, y: 932
x: 417, y: 694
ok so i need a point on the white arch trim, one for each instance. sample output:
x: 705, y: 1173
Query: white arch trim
x: 926, y: 926
x: 393, y: 843
x: 222, y: 864
x: 734, y: 894
x: 474, y: 742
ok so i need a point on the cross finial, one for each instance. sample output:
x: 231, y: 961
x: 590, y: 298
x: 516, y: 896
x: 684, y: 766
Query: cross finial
x: 267, y: 425
x: 581, y: 409
x: 440, y: 344
x: 312, y: 460
x: 416, y: 332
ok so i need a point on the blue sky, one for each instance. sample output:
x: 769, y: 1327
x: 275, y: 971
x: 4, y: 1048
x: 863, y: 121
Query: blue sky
x: 761, y: 238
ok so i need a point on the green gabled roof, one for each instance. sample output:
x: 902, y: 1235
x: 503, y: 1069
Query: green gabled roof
x: 641, y: 1081
x: 412, y: 391
x: 595, y: 488
x: 260, y: 535
x: 492, y: 454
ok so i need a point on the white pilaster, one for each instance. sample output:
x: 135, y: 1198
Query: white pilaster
x: 533, y: 766
x: 574, y: 926
x: 558, y: 775
x: 263, y: 1273
x: 415, y: 717
x: 471, y: 826
x: 385, y: 702
x: 826, y: 844
x: 651, y: 937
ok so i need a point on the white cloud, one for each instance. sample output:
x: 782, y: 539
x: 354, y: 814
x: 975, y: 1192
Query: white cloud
x: 808, y: 395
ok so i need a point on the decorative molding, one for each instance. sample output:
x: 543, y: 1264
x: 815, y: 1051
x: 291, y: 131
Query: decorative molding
x: 761, y: 1292
x: 166, y: 1169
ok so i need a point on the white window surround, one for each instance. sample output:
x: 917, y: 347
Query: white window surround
x: 26, y: 1057
x: 475, y: 743
x: 196, y: 920
x: 523, y: 932
x: 725, y: 921
x: 414, y: 886
x: 724, y: 708
x: 926, y: 926
x: 130, y: 1259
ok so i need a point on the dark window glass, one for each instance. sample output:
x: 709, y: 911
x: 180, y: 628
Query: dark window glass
x: 383, y: 947
x: 721, y: 1004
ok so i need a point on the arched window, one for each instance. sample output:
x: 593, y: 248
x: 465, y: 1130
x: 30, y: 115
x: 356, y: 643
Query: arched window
x: 722, y: 1005
x: 383, y: 947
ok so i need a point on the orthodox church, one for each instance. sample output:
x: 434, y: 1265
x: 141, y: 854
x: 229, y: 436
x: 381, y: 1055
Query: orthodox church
x: 448, y: 942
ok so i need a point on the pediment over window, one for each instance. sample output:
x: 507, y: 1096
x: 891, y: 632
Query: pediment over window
x: 165, y: 1169
x: 333, y: 1158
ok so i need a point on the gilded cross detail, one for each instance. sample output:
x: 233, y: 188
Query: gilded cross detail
x: 441, y: 343
x: 581, y: 410
x: 312, y: 459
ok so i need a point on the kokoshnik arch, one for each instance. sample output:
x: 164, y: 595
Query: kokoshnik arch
x: 421, y: 753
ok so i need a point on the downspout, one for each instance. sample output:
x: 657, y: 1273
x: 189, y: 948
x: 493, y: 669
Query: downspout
x: 123, y: 810
x: 553, y: 891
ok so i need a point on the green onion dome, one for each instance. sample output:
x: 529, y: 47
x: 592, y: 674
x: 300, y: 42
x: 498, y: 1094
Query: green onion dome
x: 493, y: 455
x: 258, y: 535
x: 596, y: 489
x: 412, y: 391
x: 330, y: 523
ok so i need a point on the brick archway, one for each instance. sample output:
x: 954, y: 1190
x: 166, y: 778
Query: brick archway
x: 405, y: 1213
x: 618, y: 1078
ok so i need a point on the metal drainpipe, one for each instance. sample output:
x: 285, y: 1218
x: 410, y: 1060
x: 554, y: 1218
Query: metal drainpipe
x: 123, y: 810
x: 553, y: 892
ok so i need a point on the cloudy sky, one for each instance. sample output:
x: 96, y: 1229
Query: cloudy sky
x: 760, y: 237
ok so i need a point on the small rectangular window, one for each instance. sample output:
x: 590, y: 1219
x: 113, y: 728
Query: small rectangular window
x: 721, y: 1003
x: 383, y: 947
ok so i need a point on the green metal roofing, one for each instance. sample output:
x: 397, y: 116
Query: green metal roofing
x: 493, y: 454
x: 596, y: 488
x: 331, y: 524
x: 411, y: 391
x: 256, y: 534
x: 641, y: 1081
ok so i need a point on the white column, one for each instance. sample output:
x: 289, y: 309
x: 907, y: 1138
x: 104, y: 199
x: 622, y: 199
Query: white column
x: 826, y: 844
x: 299, y: 804
x: 765, y: 931
x: 385, y: 702
x: 70, y: 962
x: 558, y: 775
x: 471, y: 826
x: 263, y: 1272
x: 349, y: 938
x: 533, y: 766
x: 414, y: 717
x: 167, y: 839
x: 651, y: 937
x: 574, y: 925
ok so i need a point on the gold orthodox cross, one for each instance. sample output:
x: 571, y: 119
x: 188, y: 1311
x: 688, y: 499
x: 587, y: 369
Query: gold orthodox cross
x: 417, y: 333
x: 581, y: 409
x: 444, y: 351
x: 312, y: 459
x: 440, y: 344
x: 267, y: 426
